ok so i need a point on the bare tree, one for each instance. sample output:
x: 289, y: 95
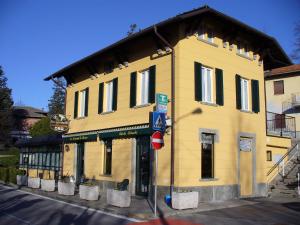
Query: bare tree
x: 296, y: 52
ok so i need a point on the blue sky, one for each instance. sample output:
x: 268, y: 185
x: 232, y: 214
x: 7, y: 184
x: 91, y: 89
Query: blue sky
x: 38, y: 38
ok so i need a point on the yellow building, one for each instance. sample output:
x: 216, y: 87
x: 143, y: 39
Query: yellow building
x: 211, y: 66
x: 283, y: 94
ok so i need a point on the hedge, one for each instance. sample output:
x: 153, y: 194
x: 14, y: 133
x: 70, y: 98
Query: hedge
x: 9, y: 174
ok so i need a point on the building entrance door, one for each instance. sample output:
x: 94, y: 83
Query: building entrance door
x: 142, y: 165
x: 80, y: 162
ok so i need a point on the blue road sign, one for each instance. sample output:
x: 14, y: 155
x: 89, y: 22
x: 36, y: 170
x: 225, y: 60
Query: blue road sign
x: 159, y: 121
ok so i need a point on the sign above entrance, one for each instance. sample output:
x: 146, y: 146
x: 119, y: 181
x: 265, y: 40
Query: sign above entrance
x: 161, y: 103
x: 157, y: 140
x: 80, y: 138
x: 159, y: 121
x: 59, y: 123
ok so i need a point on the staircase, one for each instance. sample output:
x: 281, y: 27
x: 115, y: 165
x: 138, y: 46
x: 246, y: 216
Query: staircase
x: 285, y: 184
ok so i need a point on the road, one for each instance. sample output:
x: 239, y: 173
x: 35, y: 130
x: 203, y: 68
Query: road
x: 21, y: 208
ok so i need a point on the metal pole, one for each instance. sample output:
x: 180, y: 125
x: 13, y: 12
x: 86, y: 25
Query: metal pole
x: 155, y: 187
x: 298, y: 183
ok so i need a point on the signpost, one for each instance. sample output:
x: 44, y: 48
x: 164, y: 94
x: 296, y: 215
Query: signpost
x: 157, y: 141
x: 161, y: 103
x: 158, y: 121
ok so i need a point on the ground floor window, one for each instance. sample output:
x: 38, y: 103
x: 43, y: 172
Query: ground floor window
x: 207, y: 156
x: 107, y: 157
x: 269, y: 155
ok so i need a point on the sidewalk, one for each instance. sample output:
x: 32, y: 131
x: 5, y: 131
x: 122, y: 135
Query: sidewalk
x: 140, y: 208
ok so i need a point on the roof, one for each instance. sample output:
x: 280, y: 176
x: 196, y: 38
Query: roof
x: 47, y: 140
x: 286, y: 70
x: 284, y: 59
x: 28, y: 112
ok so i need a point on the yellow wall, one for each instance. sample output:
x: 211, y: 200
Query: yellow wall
x: 226, y: 119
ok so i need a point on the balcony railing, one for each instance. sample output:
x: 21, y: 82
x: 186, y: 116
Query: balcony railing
x: 280, y: 125
x: 292, y: 105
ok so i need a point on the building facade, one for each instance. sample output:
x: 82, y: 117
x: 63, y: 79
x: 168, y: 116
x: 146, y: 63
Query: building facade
x: 212, y: 68
x: 283, y: 93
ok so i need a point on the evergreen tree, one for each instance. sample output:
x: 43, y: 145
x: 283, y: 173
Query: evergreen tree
x: 56, y: 103
x: 42, y: 127
x: 6, y: 103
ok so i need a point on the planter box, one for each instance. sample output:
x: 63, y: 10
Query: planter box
x: 34, y: 182
x: 21, y: 180
x: 48, y: 185
x: 66, y: 188
x: 185, y: 200
x: 118, y: 198
x: 90, y: 193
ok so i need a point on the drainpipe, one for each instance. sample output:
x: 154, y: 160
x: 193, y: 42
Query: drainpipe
x: 172, y: 105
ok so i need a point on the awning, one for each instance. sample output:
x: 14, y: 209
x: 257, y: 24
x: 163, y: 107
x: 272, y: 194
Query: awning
x: 80, y: 137
x: 125, y: 132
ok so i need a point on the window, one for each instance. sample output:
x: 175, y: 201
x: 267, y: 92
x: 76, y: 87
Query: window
x: 109, y: 96
x: 210, y: 36
x: 207, y: 156
x: 244, y: 94
x: 144, y: 87
x: 246, y: 53
x: 280, y: 121
x: 107, y: 157
x: 278, y: 87
x: 207, y: 85
x: 269, y: 155
x: 82, y: 103
x: 239, y: 48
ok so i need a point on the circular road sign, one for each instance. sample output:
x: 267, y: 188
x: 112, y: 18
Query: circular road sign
x: 157, y: 140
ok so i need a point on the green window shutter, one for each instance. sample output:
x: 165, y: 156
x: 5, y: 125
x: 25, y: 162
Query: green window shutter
x: 76, y: 105
x: 238, y: 91
x: 255, y: 96
x: 219, y: 87
x: 198, y: 81
x: 100, y: 98
x: 86, y: 107
x: 133, y: 89
x: 115, y: 94
x: 152, y: 78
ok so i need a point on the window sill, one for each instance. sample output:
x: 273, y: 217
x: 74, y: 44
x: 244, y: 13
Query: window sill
x: 207, y: 42
x: 246, y: 111
x: 108, y: 112
x: 244, y: 56
x: 209, y: 103
x: 141, y: 106
x: 105, y: 175
x: 208, y: 179
x: 81, y: 118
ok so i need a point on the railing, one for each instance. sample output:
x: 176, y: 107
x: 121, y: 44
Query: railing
x: 292, y: 105
x: 280, y: 125
x: 281, y: 164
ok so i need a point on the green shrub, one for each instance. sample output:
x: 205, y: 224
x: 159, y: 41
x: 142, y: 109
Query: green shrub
x: 4, y: 174
x: 9, y: 174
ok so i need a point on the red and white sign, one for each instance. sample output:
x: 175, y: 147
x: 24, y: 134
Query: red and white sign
x: 157, y: 140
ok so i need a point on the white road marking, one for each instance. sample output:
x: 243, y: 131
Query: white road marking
x: 15, y: 217
x: 78, y: 206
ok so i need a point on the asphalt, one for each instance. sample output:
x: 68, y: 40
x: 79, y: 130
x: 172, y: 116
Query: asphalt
x: 20, y: 208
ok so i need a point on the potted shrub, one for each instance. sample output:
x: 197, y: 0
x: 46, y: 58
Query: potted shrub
x: 21, y: 178
x: 34, y: 182
x: 185, y: 200
x: 66, y: 186
x: 89, y: 191
x: 48, y: 184
x: 120, y: 196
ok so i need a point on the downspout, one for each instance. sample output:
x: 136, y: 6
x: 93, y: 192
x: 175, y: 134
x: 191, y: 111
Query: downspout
x: 172, y: 105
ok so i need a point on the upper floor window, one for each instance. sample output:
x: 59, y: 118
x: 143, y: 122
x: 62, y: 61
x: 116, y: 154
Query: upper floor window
x: 278, y: 87
x: 210, y: 36
x: 245, y: 94
x: 207, y: 87
x: 142, y: 87
x: 81, y: 103
x: 109, y: 96
x: 82, y: 98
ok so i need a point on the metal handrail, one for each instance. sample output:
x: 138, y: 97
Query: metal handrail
x: 281, y: 159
